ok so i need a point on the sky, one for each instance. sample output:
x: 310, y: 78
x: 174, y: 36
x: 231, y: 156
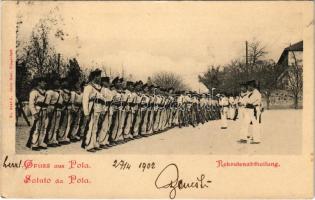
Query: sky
x: 143, y: 38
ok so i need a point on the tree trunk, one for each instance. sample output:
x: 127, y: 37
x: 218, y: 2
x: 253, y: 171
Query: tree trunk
x: 296, y: 100
x: 267, y: 95
x: 268, y: 101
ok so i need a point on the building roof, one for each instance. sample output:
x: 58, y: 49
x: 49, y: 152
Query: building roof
x: 294, y: 47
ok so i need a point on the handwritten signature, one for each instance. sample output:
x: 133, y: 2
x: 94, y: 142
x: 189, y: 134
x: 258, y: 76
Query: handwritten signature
x: 169, y: 178
x: 11, y: 164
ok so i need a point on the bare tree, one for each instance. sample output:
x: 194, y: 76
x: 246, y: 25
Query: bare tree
x: 256, y: 52
x: 294, y: 75
x: 168, y: 80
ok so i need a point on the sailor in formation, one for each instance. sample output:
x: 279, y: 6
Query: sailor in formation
x: 105, y: 112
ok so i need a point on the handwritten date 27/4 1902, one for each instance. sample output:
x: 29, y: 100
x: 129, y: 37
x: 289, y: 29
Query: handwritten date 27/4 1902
x: 169, y: 178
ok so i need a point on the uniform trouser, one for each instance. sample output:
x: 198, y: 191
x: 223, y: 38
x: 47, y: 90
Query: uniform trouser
x: 224, y: 114
x: 201, y: 114
x: 198, y: 115
x: 187, y: 115
x: 231, y: 112
x: 175, y: 117
x: 162, y: 120
x: 212, y: 114
x: 245, y: 121
x: 118, y: 121
x: 137, y: 122
x: 103, y: 136
x: 180, y: 117
x: 39, y: 130
x: 150, y: 121
x: 165, y: 122
x: 236, y: 113
x: 256, y: 134
x: 54, y: 118
x: 90, y: 140
x: 247, y: 116
x: 157, y: 116
x: 128, y: 124
x: 82, y: 125
x: 111, y: 119
x: 144, y: 122
x: 169, y: 118
x: 65, y: 126
x: 121, y: 124
x: 75, y: 126
x: 206, y: 114
x: 194, y: 117
x: 218, y: 112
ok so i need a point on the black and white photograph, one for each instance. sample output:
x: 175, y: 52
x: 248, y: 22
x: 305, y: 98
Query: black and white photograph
x: 157, y: 99
x: 158, y: 79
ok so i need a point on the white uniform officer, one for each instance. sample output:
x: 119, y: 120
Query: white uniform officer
x: 243, y: 113
x: 253, y: 107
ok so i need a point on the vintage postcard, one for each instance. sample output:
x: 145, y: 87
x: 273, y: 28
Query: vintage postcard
x: 157, y: 99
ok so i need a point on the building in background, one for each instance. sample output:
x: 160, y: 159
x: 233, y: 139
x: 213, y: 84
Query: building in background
x: 290, y: 57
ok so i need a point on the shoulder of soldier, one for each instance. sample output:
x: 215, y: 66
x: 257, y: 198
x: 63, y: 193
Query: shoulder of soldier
x: 94, y: 86
x: 255, y: 91
x: 89, y: 85
x: 38, y: 91
x: 115, y: 92
x: 50, y: 92
x: 34, y: 91
x: 66, y: 91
